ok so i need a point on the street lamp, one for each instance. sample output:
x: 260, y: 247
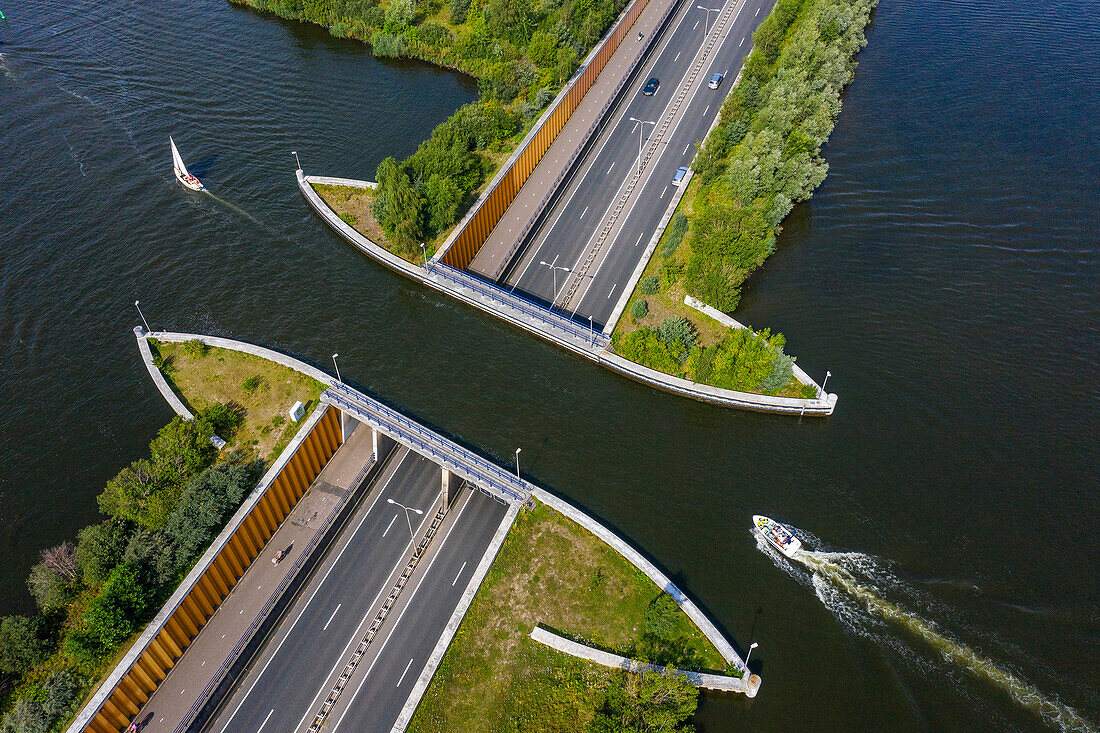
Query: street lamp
x: 424, y: 249
x: 412, y: 537
x: 295, y: 152
x: 337, y: 367
x: 706, y: 23
x: 641, y: 127
x: 137, y: 304
x: 591, y: 330
x: 824, y: 382
x: 517, y: 461
x: 555, y: 269
x: 751, y: 647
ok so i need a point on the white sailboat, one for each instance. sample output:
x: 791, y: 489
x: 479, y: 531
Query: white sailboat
x: 178, y: 167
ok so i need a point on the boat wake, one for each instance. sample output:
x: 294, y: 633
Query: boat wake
x: 838, y: 582
x: 237, y: 209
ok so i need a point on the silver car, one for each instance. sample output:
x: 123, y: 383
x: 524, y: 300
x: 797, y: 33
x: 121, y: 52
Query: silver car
x: 716, y: 80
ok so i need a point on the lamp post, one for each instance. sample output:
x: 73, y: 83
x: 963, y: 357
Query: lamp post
x: 517, y: 461
x: 295, y: 153
x: 555, y: 269
x: 706, y: 23
x: 751, y: 647
x: 137, y: 304
x: 641, y: 127
x: 424, y: 249
x: 824, y: 382
x: 412, y: 537
x: 591, y: 331
x: 338, y: 379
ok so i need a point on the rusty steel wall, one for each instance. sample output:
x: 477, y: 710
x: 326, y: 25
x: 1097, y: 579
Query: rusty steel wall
x: 492, y: 208
x: 212, y: 587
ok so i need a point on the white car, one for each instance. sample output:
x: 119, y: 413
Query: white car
x: 716, y: 80
x: 681, y: 174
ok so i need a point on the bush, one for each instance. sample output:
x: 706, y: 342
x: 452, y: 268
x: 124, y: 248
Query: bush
x: 224, y: 418
x: 252, y: 383
x: 99, y: 549
x: 679, y: 335
x: 349, y: 219
x: 639, y: 309
x: 649, y: 285
x: 195, y: 348
x: 113, y: 615
x: 458, y: 10
x: 21, y: 649
x: 52, y: 591
x: 655, y: 702
x: 662, y: 617
x: 676, y: 232
x: 387, y: 45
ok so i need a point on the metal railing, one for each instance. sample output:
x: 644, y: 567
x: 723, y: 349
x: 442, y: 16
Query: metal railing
x: 261, y: 615
x: 428, y: 443
x: 551, y: 319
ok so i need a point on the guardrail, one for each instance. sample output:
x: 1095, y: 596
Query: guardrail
x: 272, y: 599
x: 550, y: 318
x: 448, y: 454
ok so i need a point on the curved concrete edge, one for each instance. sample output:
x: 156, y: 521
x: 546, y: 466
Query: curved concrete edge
x: 615, y: 661
x: 636, y: 559
x: 158, y: 378
x: 233, y: 345
x: 166, y: 611
x: 651, y: 377
x: 346, y: 182
x: 449, y: 631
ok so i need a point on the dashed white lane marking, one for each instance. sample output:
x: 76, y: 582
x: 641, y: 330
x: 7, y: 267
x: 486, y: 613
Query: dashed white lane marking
x: 612, y: 290
x: 609, y: 169
x: 757, y: 12
x: 405, y: 673
x: 695, y: 26
x: 585, y: 211
x: 663, y: 190
x: 706, y: 110
x: 389, y: 525
x: 265, y: 721
x: 742, y: 43
x: 639, y: 239
x: 459, y: 575
x: 678, y: 54
x: 331, y: 617
x: 686, y: 149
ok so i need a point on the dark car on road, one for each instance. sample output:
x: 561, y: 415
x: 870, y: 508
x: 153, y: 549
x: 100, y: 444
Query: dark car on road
x: 651, y: 87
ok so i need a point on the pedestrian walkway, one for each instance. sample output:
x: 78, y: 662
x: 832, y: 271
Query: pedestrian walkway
x: 178, y: 696
x: 495, y: 254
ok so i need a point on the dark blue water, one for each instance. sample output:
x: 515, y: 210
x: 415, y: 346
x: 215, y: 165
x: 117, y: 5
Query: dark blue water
x: 946, y: 273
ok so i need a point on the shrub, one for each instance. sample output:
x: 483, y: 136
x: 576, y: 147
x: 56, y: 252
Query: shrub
x: 661, y: 618
x: 52, y: 591
x: 252, y: 383
x: 781, y: 373
x: 639, y: 309
x: 224, y: 418
x: 387, y: 45
x: 649, y: 285
x: 349, y: 219
x: 114, y: 614
x: 21, y: 649
x: 676, y: 232
x: 27, y: 716
x: 99, y: 549
x: 656, y: 702
x: 643, y: 346
x: 195, y: 348
x: 458, y: 10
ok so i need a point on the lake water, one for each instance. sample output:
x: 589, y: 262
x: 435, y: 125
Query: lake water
x: 946, y: 273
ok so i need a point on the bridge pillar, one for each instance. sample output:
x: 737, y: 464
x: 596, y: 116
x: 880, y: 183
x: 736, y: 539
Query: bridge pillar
x: 374, y: 442
x: 446, y: 489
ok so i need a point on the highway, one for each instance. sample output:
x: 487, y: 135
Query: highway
x: 314, y: 635
x: 569, y: 229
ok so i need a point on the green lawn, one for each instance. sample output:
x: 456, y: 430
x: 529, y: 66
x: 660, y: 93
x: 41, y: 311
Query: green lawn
x: 550, y: 571
x: 261, y: 390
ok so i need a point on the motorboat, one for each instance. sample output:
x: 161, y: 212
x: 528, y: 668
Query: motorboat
x: 182, y: 174
x: 778, y: 535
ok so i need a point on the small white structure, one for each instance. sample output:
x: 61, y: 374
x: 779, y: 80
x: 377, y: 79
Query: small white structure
x: 297, y: 412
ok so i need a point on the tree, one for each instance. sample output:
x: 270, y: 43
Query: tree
x: 650, y: 702
x: 99, y: 549
x: 51, y: 590
x: 20, y: 647
x: 127, y: 493
x: 61, y: 559
x: 444, y: 197
x: 458, y: 10
x: 400, y: 15
x: 401, y: 216
x: 113, y: 615
x: 511, y: 19
x: 182, y: 448
x: 661, y: 618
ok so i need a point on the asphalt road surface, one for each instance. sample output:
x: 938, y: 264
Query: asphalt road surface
x: 568, y: 231
x: 279, y: 690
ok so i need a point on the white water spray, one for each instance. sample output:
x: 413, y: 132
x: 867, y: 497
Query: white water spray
x: 830, y: 574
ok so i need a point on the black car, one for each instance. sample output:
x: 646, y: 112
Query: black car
x: 651, y: 87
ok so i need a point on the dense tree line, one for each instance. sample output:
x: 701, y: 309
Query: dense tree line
x: 521, y: 52
x: 162, y: 512
x: 765, y: 154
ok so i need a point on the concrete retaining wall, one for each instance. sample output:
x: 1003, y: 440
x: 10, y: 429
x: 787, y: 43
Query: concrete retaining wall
x: 578, y: 345
x: 636, y: 559
x: 347, y: 182
x: 607, y: 659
